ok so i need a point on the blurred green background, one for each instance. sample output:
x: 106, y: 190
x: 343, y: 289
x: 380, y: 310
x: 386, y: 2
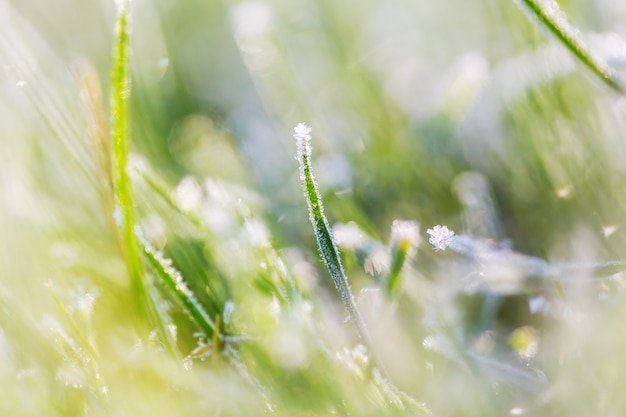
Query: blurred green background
x: 463, y: 113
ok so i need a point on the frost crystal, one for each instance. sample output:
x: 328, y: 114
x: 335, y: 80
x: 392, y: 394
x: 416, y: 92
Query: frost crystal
x: 302, y: 134
x: 440, y: 237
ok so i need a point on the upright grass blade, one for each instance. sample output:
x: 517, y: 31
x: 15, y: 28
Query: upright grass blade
x: 330, y: 256
x: 120, y: 133
x: 120, y: 97
x: 405, y: 237
x: 98, y: 129
x: 548, y: 13
x: 325, y: 241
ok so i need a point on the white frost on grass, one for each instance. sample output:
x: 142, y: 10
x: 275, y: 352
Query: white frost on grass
x: 440, y: 237
x: 302, y: 134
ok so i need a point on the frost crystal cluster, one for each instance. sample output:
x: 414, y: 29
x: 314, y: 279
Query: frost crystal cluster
x: 302, y: 134
x: 440, y: 237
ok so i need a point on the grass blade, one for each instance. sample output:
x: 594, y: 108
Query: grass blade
x: 405, y: 238
x: 323, y: 235
x: 145, y: 303
x: 174, y: 281
x: 120, y: 132
x: 330, y: 256
x: 548, y: 13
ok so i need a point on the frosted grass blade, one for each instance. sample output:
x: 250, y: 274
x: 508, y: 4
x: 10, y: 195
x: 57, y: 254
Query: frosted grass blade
x: 174, y: 281
x: 549, y: 14
x: 323, y: 235
x: 330, y: 256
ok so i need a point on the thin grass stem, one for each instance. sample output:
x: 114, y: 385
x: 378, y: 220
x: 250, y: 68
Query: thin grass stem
x: 120, y: 135
x: 323, y: 234
x: 120, y: 95
x: 548, y: 13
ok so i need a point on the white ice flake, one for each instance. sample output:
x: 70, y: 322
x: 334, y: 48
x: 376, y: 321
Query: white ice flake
x: 302, y: 134
x: 440, y: 237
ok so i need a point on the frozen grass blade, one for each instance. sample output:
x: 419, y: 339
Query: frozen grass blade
x: 173, y: 279
x: 323, y: 235
x: 330, y: 256
x: 549, y: 14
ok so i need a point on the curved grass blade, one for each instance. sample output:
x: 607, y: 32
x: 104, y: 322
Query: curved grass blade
x: 323, y: 235
x: 548, y: 13
x: 174, y: 281
x: 286, y: 289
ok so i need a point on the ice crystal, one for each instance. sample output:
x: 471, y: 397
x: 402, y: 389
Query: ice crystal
x: 440, y: 237
x: 302, y: 134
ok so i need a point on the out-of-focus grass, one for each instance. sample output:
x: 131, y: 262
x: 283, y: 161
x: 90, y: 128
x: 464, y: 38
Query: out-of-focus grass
x: 456, y: 113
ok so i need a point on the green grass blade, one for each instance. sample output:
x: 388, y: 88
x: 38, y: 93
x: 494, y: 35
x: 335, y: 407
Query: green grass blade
x: 548, y: 13
x: 173, y: 279
x: 120, y: 134
x: 330, y: 256
x: 405, y: 237
x: 323, y: 235
x: 394, y: 280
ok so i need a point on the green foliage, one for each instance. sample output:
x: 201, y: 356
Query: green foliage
x: 157, y: 260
